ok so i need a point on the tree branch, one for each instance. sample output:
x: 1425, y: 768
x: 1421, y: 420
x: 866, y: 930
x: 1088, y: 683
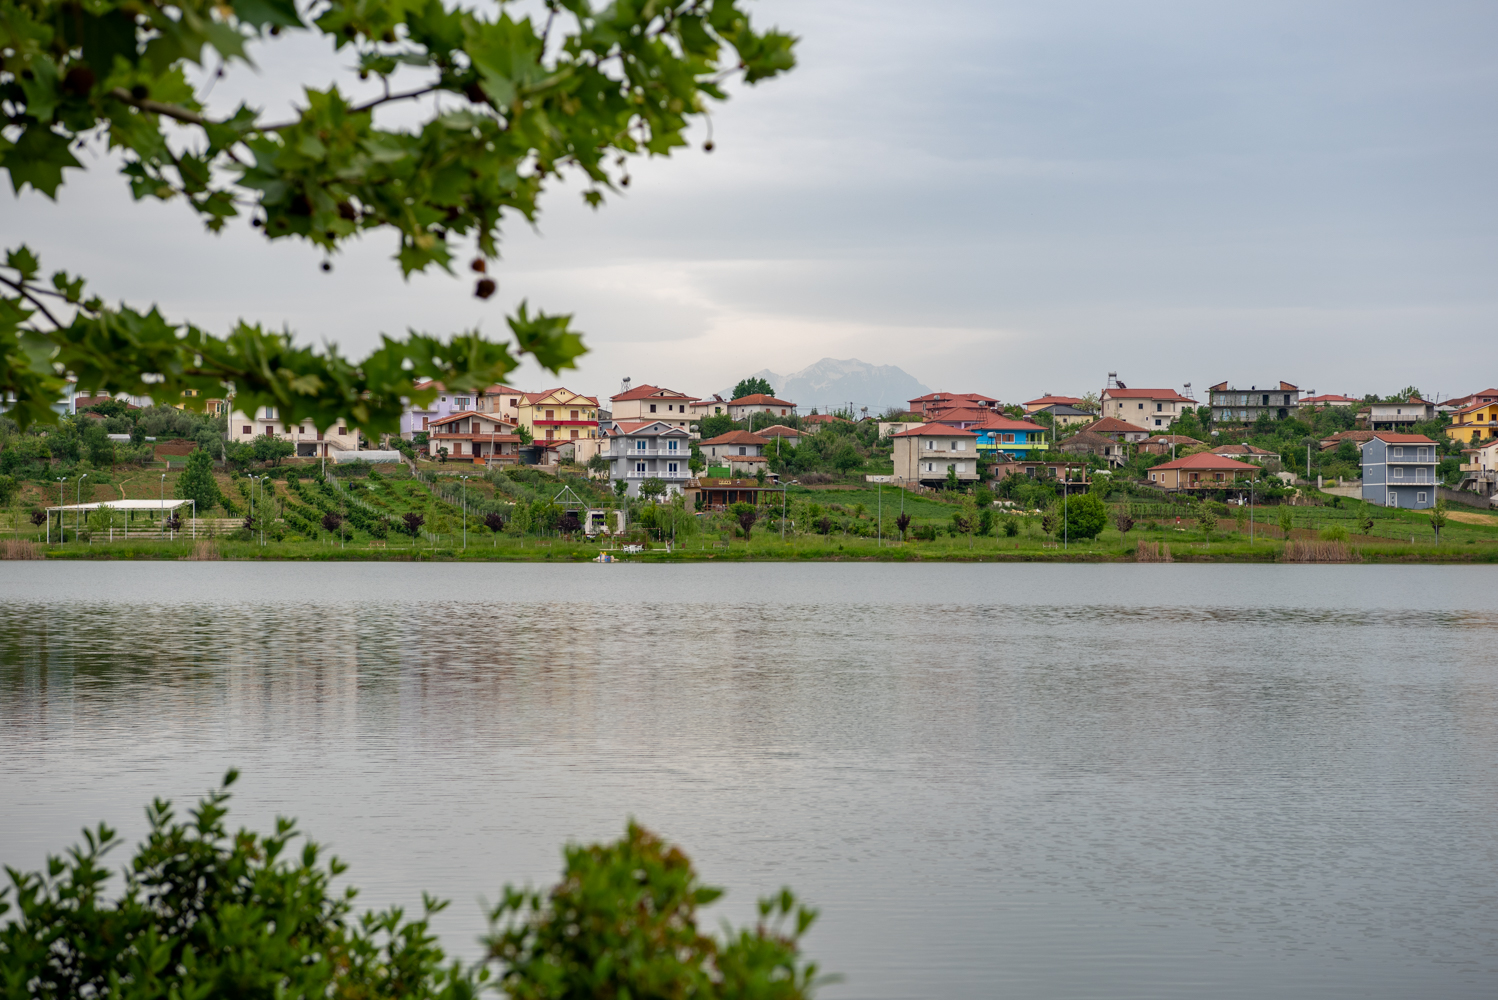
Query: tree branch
x: 158, y: 108
x: 408, y: 95
x: 27, y: 294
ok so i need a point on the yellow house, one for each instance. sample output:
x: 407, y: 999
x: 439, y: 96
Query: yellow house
x: 558, y: 415
x: 1475, y: 423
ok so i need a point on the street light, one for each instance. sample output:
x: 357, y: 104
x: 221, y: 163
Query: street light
x: 163, y: 501
x: 465, y: 512
x: 78, y: 502
x: 60, y: 481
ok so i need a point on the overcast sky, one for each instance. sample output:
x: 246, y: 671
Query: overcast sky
x: 1003, y: 197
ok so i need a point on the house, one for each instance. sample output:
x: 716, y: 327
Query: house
x: 1000, y: 435
x: 1089, y: 442
x: 1400, y: 415
x: 1072, y: 472
x: 927, y: 452
x: 1316, y: 402
x: 648, y: 402
x: 746, y: 407
x: 1480, y: 474
x: 501, y: 400
x: 719, y: 493
x: 737, y: 451
x: 1202, y: 471
x: 558, y: 414
x: 779, y: 436
x: 649, y: 449
x: 1244, y: 406
x: 1462, y: 402
x: 1152, y: 409
x: 1119, y: 430
x: 1244, y: 453
x: 958, y: 415
x: 815, y: 422
x: 1164, y: 444
x: 923, y: 405
x: 715, y: 406
x: 1048, y: 400
x: 417, y: 419
x: 310, y: 442
x: 470, y: 436
x: 1064, y: 414
x: 1474, y: 423
x: 1399, y: 470
x: 1356, y: 437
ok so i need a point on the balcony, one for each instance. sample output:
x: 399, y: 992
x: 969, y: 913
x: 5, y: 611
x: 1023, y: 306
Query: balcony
x: 682, y: 454
x: 683, y: 473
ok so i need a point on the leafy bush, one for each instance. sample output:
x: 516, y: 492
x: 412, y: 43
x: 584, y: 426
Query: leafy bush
x: 1334, y: 533
x: 1086, y: 516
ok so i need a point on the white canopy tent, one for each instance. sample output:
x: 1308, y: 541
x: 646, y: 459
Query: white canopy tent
x: 130, y: 507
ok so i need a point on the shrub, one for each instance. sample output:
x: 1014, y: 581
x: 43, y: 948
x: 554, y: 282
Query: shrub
x: 1011, y: 526
x: 1334, y: 533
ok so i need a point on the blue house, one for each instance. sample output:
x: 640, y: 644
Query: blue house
x: 1015, y: 438
x: 1399, y: 470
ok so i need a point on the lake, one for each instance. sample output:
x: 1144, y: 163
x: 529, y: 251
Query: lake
x: 1033, y: 781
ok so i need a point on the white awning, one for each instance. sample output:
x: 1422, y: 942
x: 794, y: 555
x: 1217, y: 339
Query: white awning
x: 168, y: 504
x: 375, y: 457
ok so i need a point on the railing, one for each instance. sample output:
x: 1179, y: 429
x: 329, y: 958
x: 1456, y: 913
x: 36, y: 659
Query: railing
x: 658, y: 474
x: 650, y: 453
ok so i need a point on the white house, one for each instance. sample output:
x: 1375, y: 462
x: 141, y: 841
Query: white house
x: 746, y: 406
x: 310, y: 442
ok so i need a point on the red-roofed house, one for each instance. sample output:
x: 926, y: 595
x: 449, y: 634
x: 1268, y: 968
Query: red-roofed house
x: 779, y: 432
x: 1161, y: 444
x: 1399, y: 470
x: 480, y: 438
x: 648, y: 449
x: 927, y: 452
x: 816, y: 421
x: 559, y: 415
x: 1330, y: 399
x: 1118, y: 430
x: 648, y: 402
x: 738, y: 451
x: 746, y: 406
x: 923, y: 405
x: 1152, y: 409
x: 1202, y: 471
x: 1471, y: 424
x: 1244, y: 406
x: 957, y: 414
x: 1462, y: 402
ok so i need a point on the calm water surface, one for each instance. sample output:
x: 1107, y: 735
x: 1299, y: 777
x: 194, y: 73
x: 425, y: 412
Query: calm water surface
x: 1019, y: 781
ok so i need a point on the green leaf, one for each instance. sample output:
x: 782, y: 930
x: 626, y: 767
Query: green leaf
x: 260, y: 13
x: 38, y: 158
x: 23, y: 261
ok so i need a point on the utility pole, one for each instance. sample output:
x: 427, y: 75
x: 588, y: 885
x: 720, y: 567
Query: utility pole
x: 880, y: 507
x: 465, y: 513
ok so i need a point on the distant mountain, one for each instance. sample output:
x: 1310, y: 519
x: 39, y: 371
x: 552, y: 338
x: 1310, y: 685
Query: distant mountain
x: 831, y: 383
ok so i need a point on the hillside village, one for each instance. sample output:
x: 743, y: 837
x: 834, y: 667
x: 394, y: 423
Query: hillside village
x: 656, y: 464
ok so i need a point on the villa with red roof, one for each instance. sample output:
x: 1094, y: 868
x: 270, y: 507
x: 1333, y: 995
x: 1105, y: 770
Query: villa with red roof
x: 1118, y: 430
x: 1399, y: 470
x: 747, y: 406
x: 1152, y: 409
x: 470, y: 436
x: 1202, y: 471
x: 928, y: 452
x: 649, y: 402
x: 1049, y: 400
x: 924, y: 405
x: 1330, y: 399
x: 558, y: 415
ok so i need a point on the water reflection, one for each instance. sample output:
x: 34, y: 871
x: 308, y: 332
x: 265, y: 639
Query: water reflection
x: 1045, y: 781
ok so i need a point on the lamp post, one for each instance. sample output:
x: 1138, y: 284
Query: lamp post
x: 78, y: 502
x: 163, y: 501
x: 60, y: 481
x: 465, y: 512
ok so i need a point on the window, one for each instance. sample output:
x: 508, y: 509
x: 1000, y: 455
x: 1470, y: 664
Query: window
x: 1159, y: 422
x: 930, y: 467
x: 743, y: 450
x: 461, y: 402
x: 1398, y: 472
x: 551, y: 414
x: 574, y: 433
x: 1398, y: 452
x: 671, y: 445
x: 443, y: 398
x: 342, y: 430
x: 1159, y: 407
x: 640, y: 445
x: 671, y: 468
x: 1419, y: 497
x: 639, y: 466
x: 270, y: 413
x: 959, y: 446
x: 514, y: 403
x: 302, y: 430
x: 1141, y: 406
x: 652, y: 407
x: 931, y: 445
x: 250, y: 430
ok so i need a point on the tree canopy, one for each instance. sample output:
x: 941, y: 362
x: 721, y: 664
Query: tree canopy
x: 752, y: 387
x: 507, y: 105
